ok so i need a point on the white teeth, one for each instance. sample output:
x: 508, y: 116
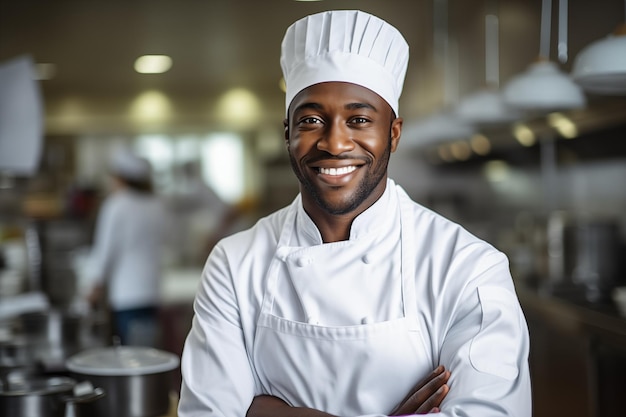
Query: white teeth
x: 337, y: 171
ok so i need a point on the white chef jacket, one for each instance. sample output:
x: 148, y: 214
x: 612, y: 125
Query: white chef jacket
x: 467, y: 312
x: 130, y: 237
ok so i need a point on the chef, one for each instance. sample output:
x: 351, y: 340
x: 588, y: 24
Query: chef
x: 343, y: 301
x: 130, y: 238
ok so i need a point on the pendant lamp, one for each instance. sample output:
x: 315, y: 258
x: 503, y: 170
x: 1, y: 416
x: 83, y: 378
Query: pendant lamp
x: 601, y: 66
x: 487, y: 106
x: 438, y: 128
x: 544, y: 87
x: 443, y: 126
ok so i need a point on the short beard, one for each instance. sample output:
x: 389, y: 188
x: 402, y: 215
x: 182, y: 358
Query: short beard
x: 364, y: 190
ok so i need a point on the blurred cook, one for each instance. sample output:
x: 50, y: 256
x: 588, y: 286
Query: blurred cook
x: 126, y: 260
x: 342, y: 302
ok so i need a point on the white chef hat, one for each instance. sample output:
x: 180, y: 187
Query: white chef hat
x: 348, y: 46
x: 127, y: 165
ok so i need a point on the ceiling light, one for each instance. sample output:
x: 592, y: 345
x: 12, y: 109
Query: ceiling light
x: 151, y: 106
x: 543, y: 86
x: 487, y: 107
x: 153, y: 64
x: 497, y: 171
x: 461, y: 150
x: 445, y: 154
x: 524, y: 134
x: 480, y: 144
x: 239, y: 107
x: 601, y: 66
x: 563, y: 124
x: 438, y: 128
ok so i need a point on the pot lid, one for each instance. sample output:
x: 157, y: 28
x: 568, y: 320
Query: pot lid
x: 122, y: 360
x: 36, y: 386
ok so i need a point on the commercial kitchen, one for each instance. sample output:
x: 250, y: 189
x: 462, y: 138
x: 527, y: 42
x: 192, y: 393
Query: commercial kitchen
x: 514, y: 127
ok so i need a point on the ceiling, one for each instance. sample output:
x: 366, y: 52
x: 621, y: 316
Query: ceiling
x: 218, y: 45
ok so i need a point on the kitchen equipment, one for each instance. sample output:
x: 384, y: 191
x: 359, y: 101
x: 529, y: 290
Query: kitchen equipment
x: 53, y: 326
x: 15, y: 354
x: 30, y: 396
x: 137, y: 379
x: 54, y: 334
x: 584, y: 260
x: 619, y: 298
x: 591, y: 256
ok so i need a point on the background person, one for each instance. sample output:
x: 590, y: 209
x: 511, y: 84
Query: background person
x: 125, y: 265
x: 340, y: 303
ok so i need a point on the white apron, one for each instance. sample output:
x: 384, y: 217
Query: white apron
x: 342, y: 370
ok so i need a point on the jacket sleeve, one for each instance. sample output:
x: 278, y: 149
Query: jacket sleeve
x: 486, y: 347
x: 217, y: 377
x: 103, y: 250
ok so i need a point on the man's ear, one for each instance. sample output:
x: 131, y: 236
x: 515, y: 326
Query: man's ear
x: 286, y: 127
x: 396, y: 131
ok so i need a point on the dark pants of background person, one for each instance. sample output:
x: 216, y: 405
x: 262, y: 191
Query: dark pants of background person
x: 137, y: 326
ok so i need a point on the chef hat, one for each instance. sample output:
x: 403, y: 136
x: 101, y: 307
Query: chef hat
x: 127, y: 165
x: 348, y: 46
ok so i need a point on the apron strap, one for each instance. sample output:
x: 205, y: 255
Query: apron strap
x: 407, y: 236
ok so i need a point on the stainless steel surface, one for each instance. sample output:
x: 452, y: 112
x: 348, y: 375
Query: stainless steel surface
x: 591, y: 255
x: 15, y: 354
x: 137, y: 379
x: 35, y: 397
x: 54, y: 327
x: 584, y: 259
x: 129, y: 395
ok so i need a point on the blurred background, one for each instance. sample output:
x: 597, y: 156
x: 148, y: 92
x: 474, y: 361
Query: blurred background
x: 535, y: 166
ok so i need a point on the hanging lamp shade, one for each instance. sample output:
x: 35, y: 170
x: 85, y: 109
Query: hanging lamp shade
x: 486, y: 107
x: 543, y: 87
x: 601, y: 66
x: 439, y: 128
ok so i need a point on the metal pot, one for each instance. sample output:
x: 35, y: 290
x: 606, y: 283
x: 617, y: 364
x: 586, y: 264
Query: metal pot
x: 43, y: 397
x: 52, y: 327
x: 137, y: 379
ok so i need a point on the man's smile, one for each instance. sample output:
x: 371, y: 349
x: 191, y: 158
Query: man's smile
x: 337, y: 171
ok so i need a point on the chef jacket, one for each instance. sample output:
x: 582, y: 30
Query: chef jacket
x: 350, y: 327
x: 129, y: 243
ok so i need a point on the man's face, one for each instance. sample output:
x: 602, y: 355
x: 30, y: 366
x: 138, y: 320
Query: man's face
x: 340, y: 137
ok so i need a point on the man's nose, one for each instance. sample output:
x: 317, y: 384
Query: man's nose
x: 336, y: 139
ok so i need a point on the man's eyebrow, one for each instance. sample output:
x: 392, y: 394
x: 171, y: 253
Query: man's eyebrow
x: 308, y: 105
x: 357, y: 106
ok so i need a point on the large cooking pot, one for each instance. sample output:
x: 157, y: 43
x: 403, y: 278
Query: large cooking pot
x: 44, y: 397
x: 137, y: 379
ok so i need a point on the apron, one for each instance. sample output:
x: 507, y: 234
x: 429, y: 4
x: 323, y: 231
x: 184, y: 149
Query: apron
x: 342, y: 370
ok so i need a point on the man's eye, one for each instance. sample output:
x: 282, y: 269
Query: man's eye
x: 359, y: 120
x: 310, y: 120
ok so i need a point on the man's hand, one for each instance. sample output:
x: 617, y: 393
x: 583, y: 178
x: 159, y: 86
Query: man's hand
x: 426, y: 396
